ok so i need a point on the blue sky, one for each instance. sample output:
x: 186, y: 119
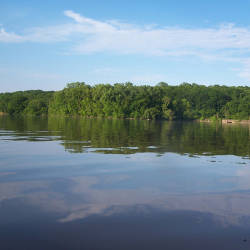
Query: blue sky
x: 46, y: 44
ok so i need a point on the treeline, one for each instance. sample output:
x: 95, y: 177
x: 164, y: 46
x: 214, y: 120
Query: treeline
x: 31, y: 102
x: 163, y: 101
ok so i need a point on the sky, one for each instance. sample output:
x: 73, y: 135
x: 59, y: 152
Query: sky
x: 47, y: 44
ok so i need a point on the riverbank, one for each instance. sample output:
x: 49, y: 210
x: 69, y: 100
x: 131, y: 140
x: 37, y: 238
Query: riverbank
x: 223, y: 121
x: 227, y: 121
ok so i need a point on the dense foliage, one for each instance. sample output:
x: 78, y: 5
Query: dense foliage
x: 186, y: 101
x: 31, y: 102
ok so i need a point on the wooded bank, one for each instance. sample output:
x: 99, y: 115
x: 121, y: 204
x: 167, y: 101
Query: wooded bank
x: 125, y: 100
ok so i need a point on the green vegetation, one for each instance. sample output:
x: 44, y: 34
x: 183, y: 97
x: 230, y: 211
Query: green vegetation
x: 31, y: 102
x: 183, y: 102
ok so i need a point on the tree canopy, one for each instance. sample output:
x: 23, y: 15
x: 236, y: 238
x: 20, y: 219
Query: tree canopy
x: 125, y: 100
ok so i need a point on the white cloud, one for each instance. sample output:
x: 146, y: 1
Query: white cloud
x: 78, y: 18
x: 99, y: 36
x: 9, y: 37
x: 85, y: 35
x: 126, y: 38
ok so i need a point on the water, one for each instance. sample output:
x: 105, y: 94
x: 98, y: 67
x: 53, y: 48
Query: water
x: 71, y: 183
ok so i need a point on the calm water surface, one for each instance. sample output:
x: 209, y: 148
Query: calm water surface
x: 68, y: 183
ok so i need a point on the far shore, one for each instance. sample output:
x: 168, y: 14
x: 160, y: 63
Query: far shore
x: 223, y: 121
x: 227, y: 121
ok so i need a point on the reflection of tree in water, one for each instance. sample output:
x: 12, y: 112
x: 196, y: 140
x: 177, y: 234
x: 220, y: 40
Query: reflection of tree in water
x: 116, y: 136
x: 131, y: 136
x: 21, y: 124
x: 123, y: 136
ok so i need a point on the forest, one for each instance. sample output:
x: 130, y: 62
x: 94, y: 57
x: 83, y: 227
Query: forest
x: 125, y: 100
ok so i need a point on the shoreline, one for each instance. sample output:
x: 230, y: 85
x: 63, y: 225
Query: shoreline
x: 227, y: 121
x: 223, y: 121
